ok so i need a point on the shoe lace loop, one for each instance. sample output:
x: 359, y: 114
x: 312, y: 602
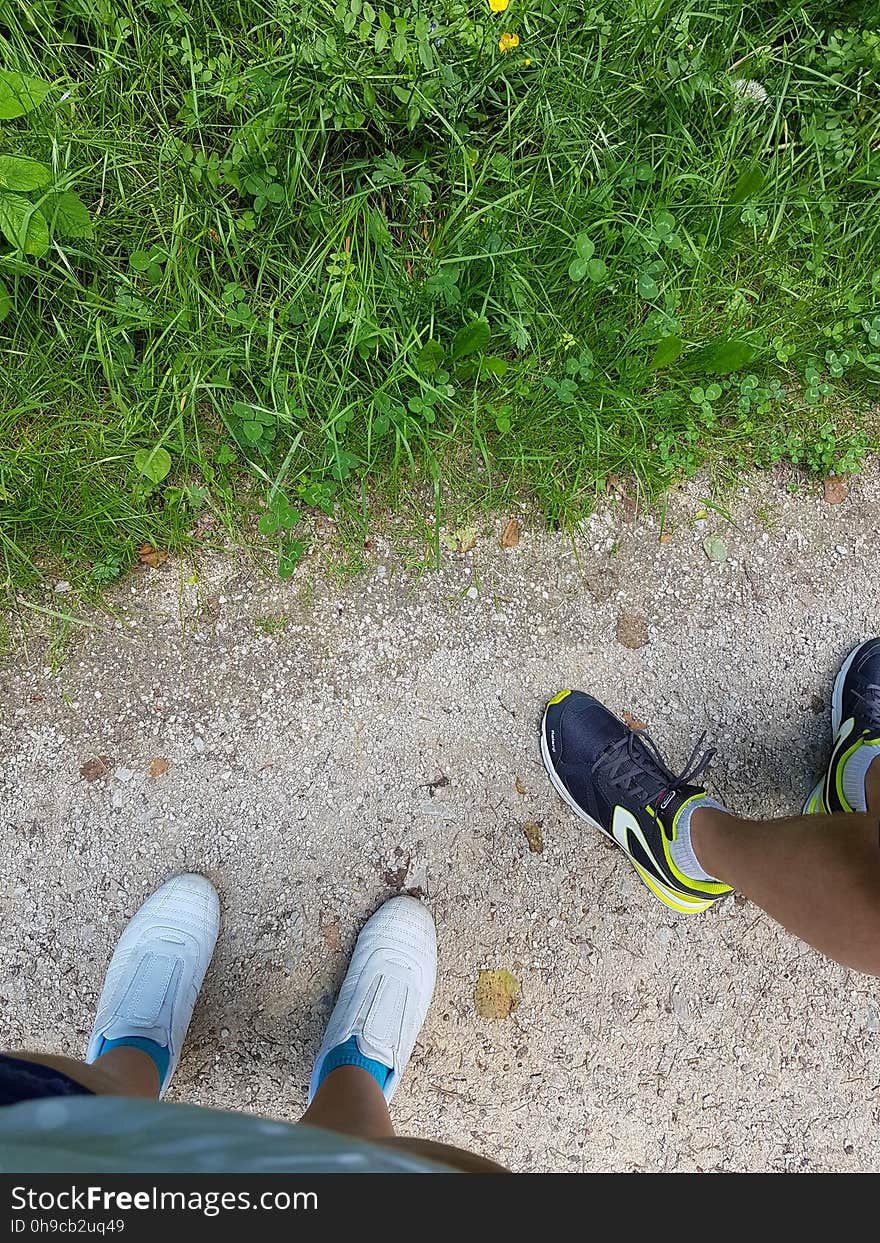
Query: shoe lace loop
x: 625, y: 762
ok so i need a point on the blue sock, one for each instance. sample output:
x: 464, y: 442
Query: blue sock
x: 160, y: 1055
x: 349, y: 1054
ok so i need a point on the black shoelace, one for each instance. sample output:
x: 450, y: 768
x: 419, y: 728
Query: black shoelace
x: 625, y: 765
x: 870, y: 696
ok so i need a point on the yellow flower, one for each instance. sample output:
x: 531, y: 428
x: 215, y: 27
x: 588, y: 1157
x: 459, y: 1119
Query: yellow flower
x: 498, y: 6
x: 527, y: 61
x: 507, y: 41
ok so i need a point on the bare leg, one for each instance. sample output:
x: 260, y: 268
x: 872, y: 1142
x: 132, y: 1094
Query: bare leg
x: 119, y: 1072
x: 818, y: 875
x: 350, y: 1100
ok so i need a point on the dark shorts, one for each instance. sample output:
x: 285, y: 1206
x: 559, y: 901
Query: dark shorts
x: 29, y: 1081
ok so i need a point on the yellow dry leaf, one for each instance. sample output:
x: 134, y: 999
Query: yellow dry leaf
x: 534, y: 836
x: 496, y: 994
x: 520, y: 786
x: 159, y: 766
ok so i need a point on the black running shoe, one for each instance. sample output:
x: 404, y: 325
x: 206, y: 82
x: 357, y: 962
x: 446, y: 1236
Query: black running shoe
x: 615, y: 778
x: 855, y: 723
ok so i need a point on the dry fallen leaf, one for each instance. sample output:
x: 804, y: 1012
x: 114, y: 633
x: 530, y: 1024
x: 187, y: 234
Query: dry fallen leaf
x: 632, y: 630
x: 159, y: 766
x: 330, y: 933
x: 835, y: 490
x: 666, y: 537
x: 94, y: 770
x: 153, y: 557
x: 466, y: 537
x: 496, y: 994
x: 534, y: 832
x: 394, y: 878
x: 633, y: 721
x: 520, y: 787
x: 510, y: 534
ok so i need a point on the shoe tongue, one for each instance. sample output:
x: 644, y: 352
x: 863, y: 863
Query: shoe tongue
x: 667, y: 802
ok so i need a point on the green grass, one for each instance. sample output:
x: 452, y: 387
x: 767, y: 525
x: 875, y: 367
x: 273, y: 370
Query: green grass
x: 340, y: 252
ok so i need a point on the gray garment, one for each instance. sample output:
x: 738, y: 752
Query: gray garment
x: 107, y: 1134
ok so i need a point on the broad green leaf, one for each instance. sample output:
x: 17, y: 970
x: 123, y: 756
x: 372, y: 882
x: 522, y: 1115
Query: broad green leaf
x: 596, y: 269
x: 5, y: 302
x: 140, y: 260
x: 494, y: 366
x: 647, y: 286
x: 22, y: 174
x: 293, y: 551
x: 252, y: 430
x: 664, y: 221
x: 153, y: 463
x: 715, y: 548
x: 577, y: 269
x: 268, y: 524
x: 749, y: 182
x: 68, y: 215
x: 584, y: 246
x: 23, y: 225
x: 471, y: 339
x: 720, y: 357
x: 20, y: 94
x: 287, y: 516
x: 666, y: 352
x: 430, y: 357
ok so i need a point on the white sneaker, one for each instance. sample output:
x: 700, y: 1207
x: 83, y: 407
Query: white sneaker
x: 387, y: 990
x: 158, y: 967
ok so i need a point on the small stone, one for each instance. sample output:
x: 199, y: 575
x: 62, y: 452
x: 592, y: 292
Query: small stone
x: 62, y: 586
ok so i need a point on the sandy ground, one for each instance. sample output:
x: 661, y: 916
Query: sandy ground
x: 383, y: 737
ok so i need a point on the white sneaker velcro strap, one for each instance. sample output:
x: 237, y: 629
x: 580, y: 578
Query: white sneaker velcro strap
x: 146, y: 996
x: 381, y: 1031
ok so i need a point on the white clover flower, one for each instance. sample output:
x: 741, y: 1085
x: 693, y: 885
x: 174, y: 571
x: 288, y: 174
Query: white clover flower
x: 748, y: 91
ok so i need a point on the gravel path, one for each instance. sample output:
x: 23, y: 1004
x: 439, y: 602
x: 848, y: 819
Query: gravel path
x: 327, y: 746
